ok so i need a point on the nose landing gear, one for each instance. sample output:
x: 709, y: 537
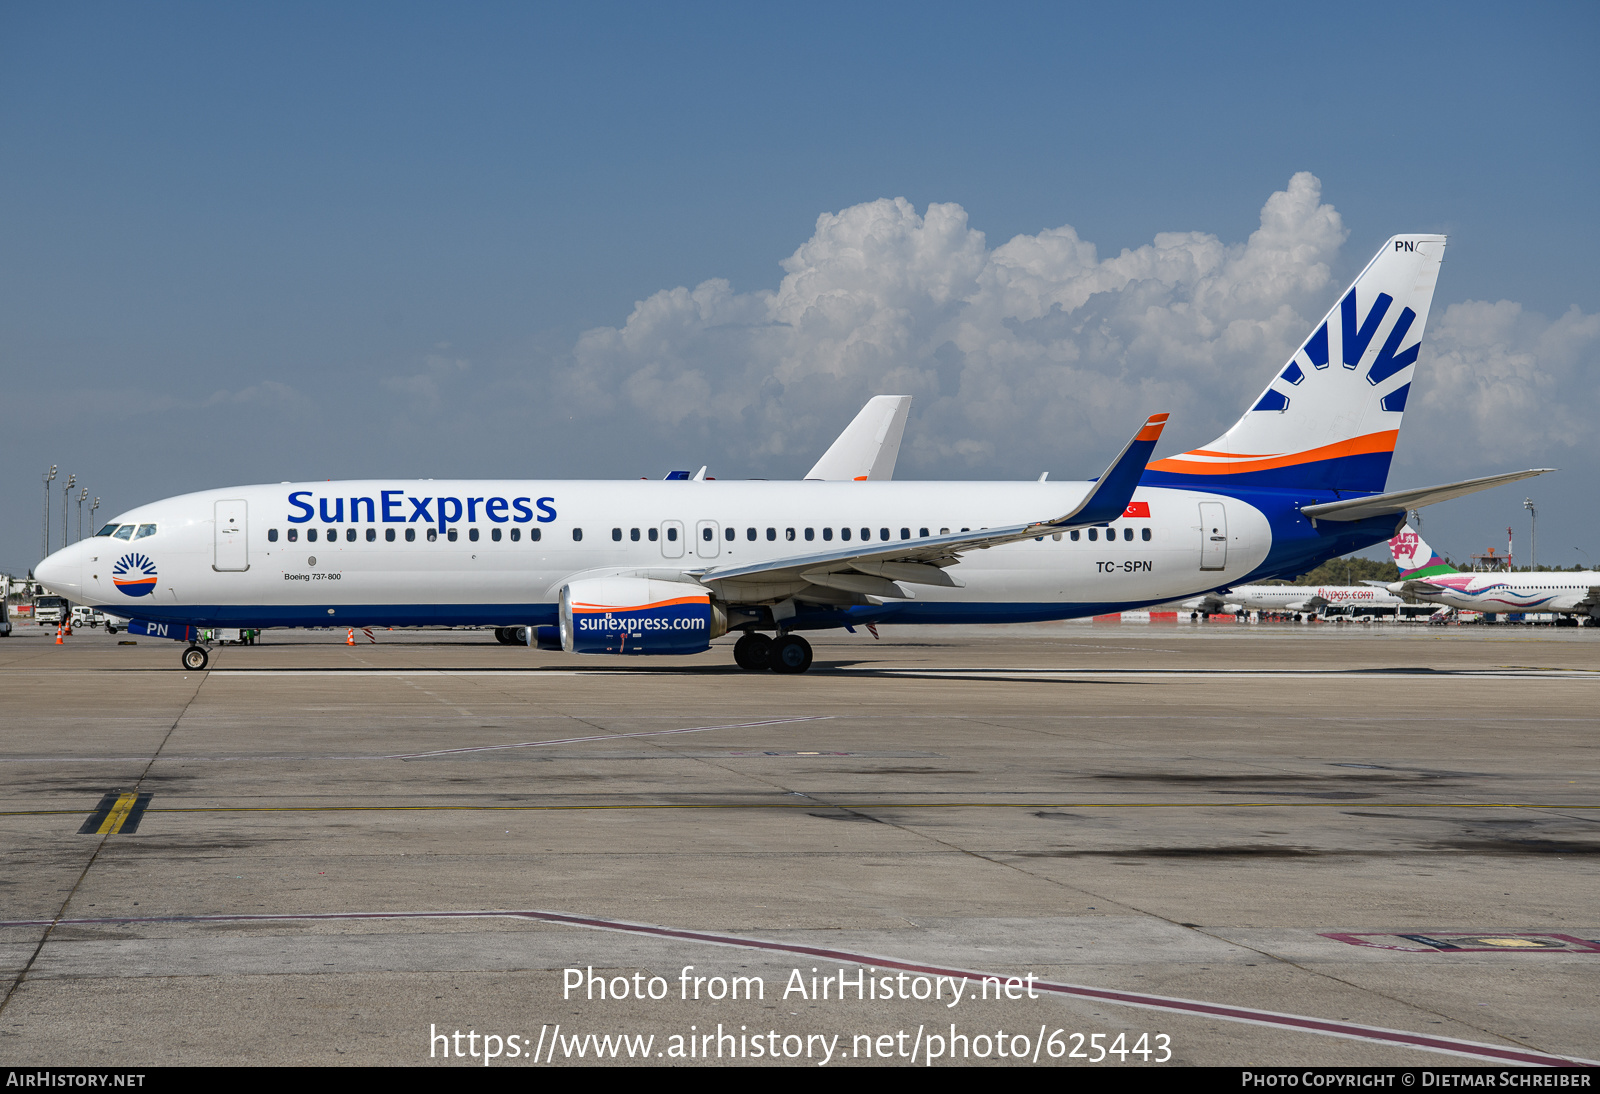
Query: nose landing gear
x: 195, y: 658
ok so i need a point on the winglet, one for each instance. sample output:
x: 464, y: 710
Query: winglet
x: 1110, y: 495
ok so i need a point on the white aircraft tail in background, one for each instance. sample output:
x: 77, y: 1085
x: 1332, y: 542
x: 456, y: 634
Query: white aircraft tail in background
x: 869, y: 445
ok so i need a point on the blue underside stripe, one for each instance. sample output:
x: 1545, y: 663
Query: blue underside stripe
x: 498, y: 615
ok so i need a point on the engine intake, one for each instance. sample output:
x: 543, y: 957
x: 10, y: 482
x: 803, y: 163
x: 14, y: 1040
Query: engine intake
x: 636, y: 615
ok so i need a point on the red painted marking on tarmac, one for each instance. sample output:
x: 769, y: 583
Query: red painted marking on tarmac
x: 1352, y: 1030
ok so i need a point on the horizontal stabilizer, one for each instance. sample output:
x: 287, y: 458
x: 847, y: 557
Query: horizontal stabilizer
x: 1398, y: 501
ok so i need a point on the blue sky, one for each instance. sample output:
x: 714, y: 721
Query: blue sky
x: 251, y: 244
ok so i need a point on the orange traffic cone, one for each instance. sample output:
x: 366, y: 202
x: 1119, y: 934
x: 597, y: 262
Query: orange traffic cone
x: 58, y: 637
x: 350, y: 637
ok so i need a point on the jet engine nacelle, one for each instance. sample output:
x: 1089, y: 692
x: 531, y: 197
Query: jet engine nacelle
x: 637, y: 615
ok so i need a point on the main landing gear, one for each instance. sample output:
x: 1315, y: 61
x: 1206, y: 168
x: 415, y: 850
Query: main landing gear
x: 195, y: 658
x: 511, y: 636
x: 787, y: 653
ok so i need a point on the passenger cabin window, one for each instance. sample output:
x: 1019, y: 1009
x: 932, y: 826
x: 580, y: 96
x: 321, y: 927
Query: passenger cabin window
x: 1145, y: 534
x: 866, y: 533
x: 883, y: 533
x: 844, y: 533
x: 349, y: 535
x: 311, y: 535
x: 905, y: 533
x: 516, y: 534
x: 923, y: 532
x: 411, y: 535
x: 372, y: 535
x: 1074, y: 535
x: 472, y: 534
x: 388, y: 535
x: 1093, y: 535
x: 577, y: 535
x: 272, y: 535
x: 827, y: 533
x: 944, y: 531
x: 433, y: 535
x: 750, y: 534
x: 810, y: 535
x: 633, y: 534
x: 145, y: 530
x: 1127, y: 534
x: 452, y: 535
x: 653, y: 534
x: 705, y: 534
x: 333, y: 535
x: 616, y: 535
x: 535, y: 533
x: 494, y: 534
x: 672, y: 535
x: 728, y: 534
x: 788, y: 534
x: 294, y: 534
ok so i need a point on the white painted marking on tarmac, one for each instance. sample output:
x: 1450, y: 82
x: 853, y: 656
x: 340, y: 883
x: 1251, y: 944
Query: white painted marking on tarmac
x: 1403, y: 675
x: 1355, y: 1031
x: 608, y: 737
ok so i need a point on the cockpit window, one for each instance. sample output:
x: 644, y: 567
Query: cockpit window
x: 108, y: 529
x: 145, y: 530
x: 125, y: 532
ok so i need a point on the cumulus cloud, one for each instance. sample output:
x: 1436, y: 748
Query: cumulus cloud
x: 1509, y: 382
x: 422, y: 389
x: 1035, y: 354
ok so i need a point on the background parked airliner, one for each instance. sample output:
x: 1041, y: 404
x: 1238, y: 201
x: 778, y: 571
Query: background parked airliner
x: 1298, y: 600
x: 1426, y: 577
x: 665, y: 567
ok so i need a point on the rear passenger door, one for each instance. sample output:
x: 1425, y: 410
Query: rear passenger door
x: 1213, y: 536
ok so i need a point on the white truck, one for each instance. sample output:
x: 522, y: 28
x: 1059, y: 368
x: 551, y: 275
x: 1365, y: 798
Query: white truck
x: 50, y: 610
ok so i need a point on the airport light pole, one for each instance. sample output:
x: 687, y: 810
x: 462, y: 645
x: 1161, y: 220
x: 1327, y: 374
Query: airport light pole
x: 49, y: 476
x: 92, y: 508
x: 1533, y: 548
x: 66, y: 492
x: 83, y: 496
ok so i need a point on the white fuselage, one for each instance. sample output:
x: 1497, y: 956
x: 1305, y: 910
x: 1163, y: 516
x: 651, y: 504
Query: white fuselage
x: 1551, y: 591
x: 225, y: 557
x: 1306, y: 598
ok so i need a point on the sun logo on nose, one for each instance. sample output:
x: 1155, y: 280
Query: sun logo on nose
x: 134, y: 575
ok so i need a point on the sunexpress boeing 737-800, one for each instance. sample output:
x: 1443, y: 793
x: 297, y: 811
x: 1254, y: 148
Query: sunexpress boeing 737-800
x: 665, y: 567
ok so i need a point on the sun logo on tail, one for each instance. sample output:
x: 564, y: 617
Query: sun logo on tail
x: 134, y: 575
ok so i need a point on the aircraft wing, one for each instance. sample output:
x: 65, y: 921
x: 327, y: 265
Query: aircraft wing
x: 1398, y: 501
x: 869, y: 445
x: 874, y: 569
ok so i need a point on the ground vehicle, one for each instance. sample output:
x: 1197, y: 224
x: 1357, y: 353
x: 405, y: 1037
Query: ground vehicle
x: 50, y: 610
x: 84, y: 615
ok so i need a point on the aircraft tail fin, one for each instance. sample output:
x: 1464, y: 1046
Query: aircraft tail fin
x: 1414, y: 557
x: 869, y: 445
x: 1330, y: 417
